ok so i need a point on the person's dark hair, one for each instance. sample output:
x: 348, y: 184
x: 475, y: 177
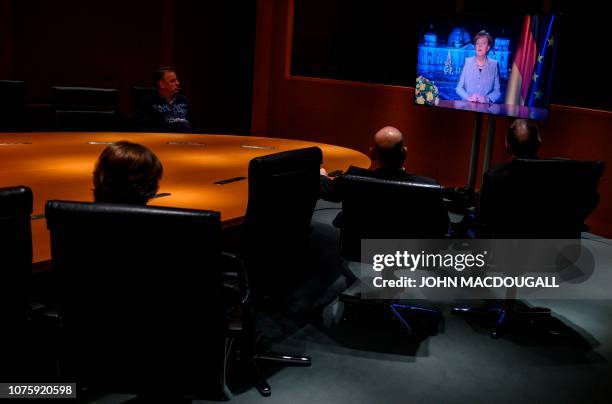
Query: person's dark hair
x: 159, y: 74
x: 392, y: 157
x: 126, y: 173
x: 523, y: 146
x: 484, y: 34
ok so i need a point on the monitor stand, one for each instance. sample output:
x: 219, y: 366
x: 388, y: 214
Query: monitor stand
x: 463, y: 198
x: 486, y: 162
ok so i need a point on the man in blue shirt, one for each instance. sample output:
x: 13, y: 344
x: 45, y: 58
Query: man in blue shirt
x: 165, y: 110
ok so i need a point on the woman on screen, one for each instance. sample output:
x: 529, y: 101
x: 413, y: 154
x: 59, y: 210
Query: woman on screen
x: 479, y: 81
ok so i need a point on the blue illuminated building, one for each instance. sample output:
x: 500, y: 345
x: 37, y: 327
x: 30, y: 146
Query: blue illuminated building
x: 442, y: 61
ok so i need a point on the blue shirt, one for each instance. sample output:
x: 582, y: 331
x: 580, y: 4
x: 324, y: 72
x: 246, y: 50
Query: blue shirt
x: 157, y: 115
x: 483, y: 81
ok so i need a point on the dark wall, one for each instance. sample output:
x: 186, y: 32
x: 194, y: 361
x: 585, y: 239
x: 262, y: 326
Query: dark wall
x: 582, y: 77
x: 214, y: 47
x: 359, y: 41
x: 118, y: 44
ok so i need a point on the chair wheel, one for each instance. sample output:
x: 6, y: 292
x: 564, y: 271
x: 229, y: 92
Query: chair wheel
x: 264, y: 391
x: 263, y: 387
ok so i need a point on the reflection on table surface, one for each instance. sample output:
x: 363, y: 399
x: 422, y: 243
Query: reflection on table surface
x: 59, y: 165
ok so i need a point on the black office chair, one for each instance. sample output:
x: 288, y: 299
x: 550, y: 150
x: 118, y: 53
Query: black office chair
x: 15, y: 277
x: 12, y: 105
x: 375, y: 208
x: 16, y: 253
x: 282, y: 196
x: 141, y: 301
x: 139, y: 95
x: 283, y: 191
x: 537, y: 199
x: 85, y: 108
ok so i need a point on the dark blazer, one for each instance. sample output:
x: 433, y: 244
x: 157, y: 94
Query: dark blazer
x: 332, y: 189
x: 494, y: 182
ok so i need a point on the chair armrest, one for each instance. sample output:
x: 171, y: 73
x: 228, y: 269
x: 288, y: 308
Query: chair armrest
x: 235, y: 281
x: 234, y: 320
x: 234, y: 270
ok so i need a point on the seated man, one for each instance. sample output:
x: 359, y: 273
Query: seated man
x: 126, y: 173
x: 522, y: 141
x: 388, y: 156
x: 165, y: 110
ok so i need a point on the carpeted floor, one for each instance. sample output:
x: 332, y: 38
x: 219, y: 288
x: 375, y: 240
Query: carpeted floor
x: 364, y: 356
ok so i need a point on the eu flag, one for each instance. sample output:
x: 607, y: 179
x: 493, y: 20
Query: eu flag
x: 545, y: 31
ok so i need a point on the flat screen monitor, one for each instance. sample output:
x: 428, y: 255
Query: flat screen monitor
x: 501, y: 65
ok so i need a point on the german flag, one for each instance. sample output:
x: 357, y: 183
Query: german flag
x: 531, y: 74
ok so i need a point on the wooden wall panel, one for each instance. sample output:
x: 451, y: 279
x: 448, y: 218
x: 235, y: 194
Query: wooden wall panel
x: 118, y: 44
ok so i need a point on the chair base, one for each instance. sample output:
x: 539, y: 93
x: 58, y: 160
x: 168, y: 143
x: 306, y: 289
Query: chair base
x: 506, y: 313
x: 251, y: 359
x: 392, y: 307
x: 259, y: 380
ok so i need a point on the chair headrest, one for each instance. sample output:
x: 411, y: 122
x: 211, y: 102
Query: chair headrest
x: 84, y: 97
x: 595, y: 167
x: 143, y: 90
x: 286, y: 162
x: 16, y: 200
x: 11, y: 83
x: 385, y: 183
x: 563, y: 174
x: 80, y: 214
x: 12, y: 94
x: 91, y: 90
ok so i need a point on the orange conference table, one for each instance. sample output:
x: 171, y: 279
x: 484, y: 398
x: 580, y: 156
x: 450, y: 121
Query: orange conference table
x: 59, y: 165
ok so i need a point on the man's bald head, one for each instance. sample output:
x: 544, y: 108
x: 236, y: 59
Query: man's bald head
x: 388, y: 150
x: 387, y: 137
x: 523, y: 139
